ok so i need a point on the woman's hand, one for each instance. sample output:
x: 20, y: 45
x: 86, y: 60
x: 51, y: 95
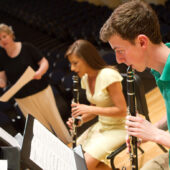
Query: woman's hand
x: 43, y: 67
x: 37, y: 75
x: 3, y: 79
x: 70, y: 123
x: 80, y: 109
x: 2, y: 83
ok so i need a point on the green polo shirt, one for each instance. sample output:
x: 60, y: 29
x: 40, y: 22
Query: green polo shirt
x: 163, y: 82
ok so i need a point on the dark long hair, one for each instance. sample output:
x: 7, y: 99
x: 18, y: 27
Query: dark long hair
x: 87, y: 51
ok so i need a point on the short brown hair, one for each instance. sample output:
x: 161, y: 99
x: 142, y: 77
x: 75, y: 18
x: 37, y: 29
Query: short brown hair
x: 131, y: 19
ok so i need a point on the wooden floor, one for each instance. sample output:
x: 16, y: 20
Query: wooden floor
x: 156, y: 108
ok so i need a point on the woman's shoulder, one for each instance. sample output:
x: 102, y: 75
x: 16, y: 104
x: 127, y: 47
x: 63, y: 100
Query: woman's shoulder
x: 27, y: 44
x: 109, y: 71
x: 108, y: 76
x: 29, y: 47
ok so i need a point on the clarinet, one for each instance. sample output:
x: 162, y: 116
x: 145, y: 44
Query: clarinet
x: 75, y: 100
x: 132, y: 111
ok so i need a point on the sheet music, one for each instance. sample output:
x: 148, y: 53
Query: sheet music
x: 8, y: 139
x: 49, y: 152
x: 78, y: 150
x: 3, y: 165
x: 24, y: 79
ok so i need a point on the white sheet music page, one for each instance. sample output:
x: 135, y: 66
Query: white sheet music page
x: 8, y: 139
x: 3, y: 165
x: 48, y: 152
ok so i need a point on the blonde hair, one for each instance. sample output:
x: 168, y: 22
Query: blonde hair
x: 7, y: 29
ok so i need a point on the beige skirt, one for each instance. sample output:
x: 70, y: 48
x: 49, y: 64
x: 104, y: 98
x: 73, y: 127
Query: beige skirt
x: 99, y: 141
x: 43, y: 107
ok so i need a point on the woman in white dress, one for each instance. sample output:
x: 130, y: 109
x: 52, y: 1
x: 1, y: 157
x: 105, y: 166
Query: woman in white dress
x: 104, y: 91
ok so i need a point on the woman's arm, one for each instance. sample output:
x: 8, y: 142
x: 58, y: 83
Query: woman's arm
x: 3, y: 79
x: 87, y: 117
x: 119, y: 108
x: 43, y: 67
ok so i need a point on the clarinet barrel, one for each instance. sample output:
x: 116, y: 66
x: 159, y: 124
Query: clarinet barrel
x: 75, y: 89
x: 132, y: 111
x: 76, y: 93
x: 75, y: 100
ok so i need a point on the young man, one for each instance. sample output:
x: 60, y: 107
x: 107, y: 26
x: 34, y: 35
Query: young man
x: 133, y: 31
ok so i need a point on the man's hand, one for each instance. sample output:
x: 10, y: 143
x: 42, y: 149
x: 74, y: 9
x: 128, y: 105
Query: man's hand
x: 141, y: 128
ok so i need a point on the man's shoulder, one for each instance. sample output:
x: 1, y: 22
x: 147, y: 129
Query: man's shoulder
x: 167, y: 44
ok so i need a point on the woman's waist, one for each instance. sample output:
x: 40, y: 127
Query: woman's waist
x: 106, y: 120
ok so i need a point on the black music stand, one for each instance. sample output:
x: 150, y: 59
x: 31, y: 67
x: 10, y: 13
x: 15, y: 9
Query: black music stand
x: 12, y: 155
x: 28, y: 145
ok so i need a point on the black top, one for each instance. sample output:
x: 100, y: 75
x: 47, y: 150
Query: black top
x: 15, y: 67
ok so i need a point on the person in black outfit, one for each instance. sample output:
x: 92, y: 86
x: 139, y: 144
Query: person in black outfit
x: 36, y: 97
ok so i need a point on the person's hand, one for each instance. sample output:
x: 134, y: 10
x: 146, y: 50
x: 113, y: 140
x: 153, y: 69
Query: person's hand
x: 140, y: 128
x: 139, y: 141
x: 70, y: 123
x: 37, y: 75
x: 128, y: 143
x: 80, y: 109
x: 2, y: 83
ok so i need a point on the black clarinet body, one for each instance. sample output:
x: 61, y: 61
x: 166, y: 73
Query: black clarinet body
x: 75, y: 100
x: 132, y: 111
